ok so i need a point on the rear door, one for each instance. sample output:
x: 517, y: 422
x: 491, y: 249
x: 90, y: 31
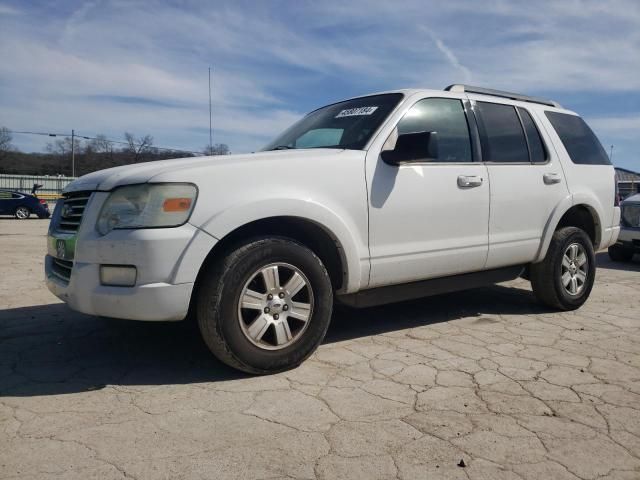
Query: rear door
x: 527, y: 181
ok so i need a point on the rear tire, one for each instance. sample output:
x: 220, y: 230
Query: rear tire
x: 22, y: 213
x: 270, y: 334
x: 618, y: 253
x: 564, y: 279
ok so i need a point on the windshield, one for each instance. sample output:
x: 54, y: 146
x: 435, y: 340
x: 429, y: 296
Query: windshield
x: 347, y: 125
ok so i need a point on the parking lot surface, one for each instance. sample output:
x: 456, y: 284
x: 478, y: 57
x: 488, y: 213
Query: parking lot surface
x: 484, y: 384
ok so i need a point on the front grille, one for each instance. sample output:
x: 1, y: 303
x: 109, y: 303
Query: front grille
x: 631, y: 215
x: 61, y: 269
x: 72, y: 210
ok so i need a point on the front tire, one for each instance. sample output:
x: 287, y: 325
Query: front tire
x: 266, y: 306
x: 618, y: 253
x: 564, y: 279
x: 22, y: 213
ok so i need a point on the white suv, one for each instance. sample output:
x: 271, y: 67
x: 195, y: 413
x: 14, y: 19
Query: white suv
x: 376, y: 199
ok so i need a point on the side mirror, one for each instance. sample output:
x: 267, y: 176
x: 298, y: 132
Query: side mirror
x: 413, y: 147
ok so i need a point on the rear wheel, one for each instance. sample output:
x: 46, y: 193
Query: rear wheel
x: 266, y: 306
x: 565, y: 277
x: 618, y: 253
x: 22, y: 213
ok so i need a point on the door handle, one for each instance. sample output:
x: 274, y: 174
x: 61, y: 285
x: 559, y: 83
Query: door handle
x: 551, y: 178
x: 469, y: 181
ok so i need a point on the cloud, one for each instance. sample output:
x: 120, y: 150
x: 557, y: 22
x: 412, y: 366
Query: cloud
x: 622, y: 127
x: 450, y: 56
x: 110, y: 65
x: 8, y: 10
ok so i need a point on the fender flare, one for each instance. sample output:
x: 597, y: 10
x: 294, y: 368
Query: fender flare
x: 562, y: 207
x: 344, y: 232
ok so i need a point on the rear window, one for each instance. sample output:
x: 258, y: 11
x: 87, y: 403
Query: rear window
x: 581, y: 144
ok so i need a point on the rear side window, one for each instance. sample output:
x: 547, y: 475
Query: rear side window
x: 581, y: 144
x: 536, y: 147
x: 501, y: 134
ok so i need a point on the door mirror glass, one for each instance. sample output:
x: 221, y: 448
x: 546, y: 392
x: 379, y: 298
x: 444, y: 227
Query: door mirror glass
x: 413, y: 147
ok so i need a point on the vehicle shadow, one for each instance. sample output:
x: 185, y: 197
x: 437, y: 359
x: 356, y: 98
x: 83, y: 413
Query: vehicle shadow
x: 603, y: 261
x: 50, y: 350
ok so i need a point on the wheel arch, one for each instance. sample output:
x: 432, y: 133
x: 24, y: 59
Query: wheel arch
x: 311, y: 234
x: 573, y: 213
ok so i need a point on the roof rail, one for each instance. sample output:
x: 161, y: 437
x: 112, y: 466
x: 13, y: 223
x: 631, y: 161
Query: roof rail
x: 500, y: 93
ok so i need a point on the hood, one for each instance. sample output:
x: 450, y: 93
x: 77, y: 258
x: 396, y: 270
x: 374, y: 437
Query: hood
x: 111, y: 178
x: 631, y: 199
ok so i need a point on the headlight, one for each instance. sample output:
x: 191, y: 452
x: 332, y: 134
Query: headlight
x: 147, y: 206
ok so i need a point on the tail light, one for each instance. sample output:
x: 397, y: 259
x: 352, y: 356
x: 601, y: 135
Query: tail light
x: 43, y: 201
x: 616, y: 198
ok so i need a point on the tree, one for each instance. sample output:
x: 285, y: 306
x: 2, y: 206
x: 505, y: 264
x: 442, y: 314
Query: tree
x: 140, y: 148
x: 5, y: 142
x: 216, y: 149
x: 100, y: 145
x: 62, y: 147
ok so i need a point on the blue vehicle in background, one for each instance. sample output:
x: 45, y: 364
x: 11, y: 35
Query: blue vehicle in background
x: 22, y: 205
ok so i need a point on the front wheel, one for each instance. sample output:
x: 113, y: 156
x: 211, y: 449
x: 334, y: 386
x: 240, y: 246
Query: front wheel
x: 266, y: 306
x: 22, y: 213
x: 564, y: 279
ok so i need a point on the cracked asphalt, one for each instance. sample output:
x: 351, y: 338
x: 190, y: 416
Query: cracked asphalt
x: 404, y: 391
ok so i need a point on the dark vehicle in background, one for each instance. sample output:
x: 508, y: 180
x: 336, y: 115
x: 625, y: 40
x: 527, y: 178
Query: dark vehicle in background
x: 22, y: 205
x: 628, y: 242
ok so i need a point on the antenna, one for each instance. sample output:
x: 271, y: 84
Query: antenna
x: 210, y: 118
x: 611, y: 155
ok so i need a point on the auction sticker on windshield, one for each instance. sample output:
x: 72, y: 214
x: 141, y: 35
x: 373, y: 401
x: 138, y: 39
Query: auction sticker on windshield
x: 352, y: 112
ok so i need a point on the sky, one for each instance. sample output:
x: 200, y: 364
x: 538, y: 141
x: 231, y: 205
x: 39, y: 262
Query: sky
x: 110, y: 66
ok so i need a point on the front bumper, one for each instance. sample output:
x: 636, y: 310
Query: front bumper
x: 152, y: 302
x: 167, y: 262
x: 629, y: 238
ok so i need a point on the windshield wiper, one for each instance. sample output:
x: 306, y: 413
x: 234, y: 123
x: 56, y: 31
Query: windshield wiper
x: 283, y: 147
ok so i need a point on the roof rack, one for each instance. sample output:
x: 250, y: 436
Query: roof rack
x: 500, y: 93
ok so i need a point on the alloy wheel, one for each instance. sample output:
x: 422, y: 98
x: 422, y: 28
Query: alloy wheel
x: 575, y: 268
x: 275, y: 306
x: 22, y: 213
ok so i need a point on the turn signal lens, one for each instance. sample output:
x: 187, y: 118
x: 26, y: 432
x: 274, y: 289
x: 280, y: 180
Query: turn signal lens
x: 176, y: 204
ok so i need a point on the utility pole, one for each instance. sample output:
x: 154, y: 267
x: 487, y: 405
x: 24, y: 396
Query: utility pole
x: 210, y: 118
x: 73, y: 153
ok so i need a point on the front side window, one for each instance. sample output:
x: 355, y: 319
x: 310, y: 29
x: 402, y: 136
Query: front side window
x: 346, y: 125
x: 446, y: 118
x: 578, y: 139
x: 501, y: 134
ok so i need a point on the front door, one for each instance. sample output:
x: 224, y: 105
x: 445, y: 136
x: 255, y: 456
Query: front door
x: 430, y: 218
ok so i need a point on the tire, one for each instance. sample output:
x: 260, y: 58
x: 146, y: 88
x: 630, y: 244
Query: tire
x: 548, y: 278
x: 229, y: 330
x: 22, y: 213
x: 618, y: 253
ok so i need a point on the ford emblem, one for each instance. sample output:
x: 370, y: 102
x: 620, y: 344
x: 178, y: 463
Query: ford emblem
x: 61, y: 249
